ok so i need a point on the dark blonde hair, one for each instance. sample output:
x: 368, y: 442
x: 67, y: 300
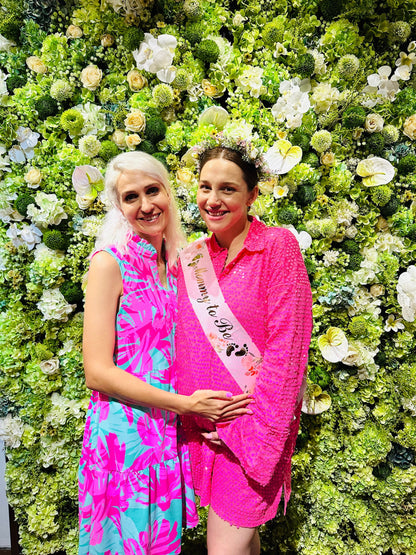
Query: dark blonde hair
x: 249, y: 170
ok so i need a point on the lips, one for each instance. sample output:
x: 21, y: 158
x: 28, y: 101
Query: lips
x: 217, y: 213
x: 150, y: 219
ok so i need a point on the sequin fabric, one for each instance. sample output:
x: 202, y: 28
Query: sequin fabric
x: 135, y: 486
x: 267, y: 288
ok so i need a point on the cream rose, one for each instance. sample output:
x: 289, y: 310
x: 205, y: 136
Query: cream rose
x: 119, y: 138
x: 136, y: 80
x: 133, y: 140
x: 409, y: 127
x: 35, y: 64
x: 74, y: 32
x: 33, y: 177
x: 91, y: 77
x: 373, y: 123
x: 184, y: 175
x: 107, y: 40
x: 135, y: 121
x: 210, y: 89
x: 328, y: 158
x: 50, y: 366
x: 377, y: 289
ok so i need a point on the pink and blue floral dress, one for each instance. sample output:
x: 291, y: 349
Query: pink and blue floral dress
x: 135, y: 487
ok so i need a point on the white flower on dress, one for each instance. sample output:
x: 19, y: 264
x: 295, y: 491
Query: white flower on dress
x: 54, y: 306
x: 156, y: 56
x: 406, y: 288
x: 303, y: 237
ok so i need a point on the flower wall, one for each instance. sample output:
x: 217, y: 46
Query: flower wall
x: 327, y: 89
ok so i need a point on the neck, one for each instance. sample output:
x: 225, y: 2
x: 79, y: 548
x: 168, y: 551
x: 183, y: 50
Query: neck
x: 234, y: 242
x: 159, y: 245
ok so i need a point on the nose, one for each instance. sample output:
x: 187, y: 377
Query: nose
x: 213, y: 198
x: 146, y: 205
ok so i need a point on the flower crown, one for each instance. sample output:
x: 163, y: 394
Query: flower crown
x: 249, y: 152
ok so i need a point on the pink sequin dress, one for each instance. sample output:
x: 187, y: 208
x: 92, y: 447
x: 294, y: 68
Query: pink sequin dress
x: 135, y: 486
x: 267, y: 288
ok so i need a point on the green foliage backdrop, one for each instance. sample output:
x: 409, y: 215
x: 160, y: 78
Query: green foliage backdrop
x: 331, y: 86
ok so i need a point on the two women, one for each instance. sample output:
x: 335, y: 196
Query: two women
x: 135, y: 490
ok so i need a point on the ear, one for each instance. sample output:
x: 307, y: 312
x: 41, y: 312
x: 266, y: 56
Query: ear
x: 253, y: 196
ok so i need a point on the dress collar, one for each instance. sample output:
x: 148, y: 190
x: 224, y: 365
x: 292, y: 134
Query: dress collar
x: 143, y: 247
x: 254, y: 242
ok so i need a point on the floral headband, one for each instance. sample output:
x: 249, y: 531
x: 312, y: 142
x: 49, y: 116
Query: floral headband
x: 249, y: 152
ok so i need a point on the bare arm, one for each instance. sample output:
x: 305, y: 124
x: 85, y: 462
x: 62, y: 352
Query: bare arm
x: 101, y: 302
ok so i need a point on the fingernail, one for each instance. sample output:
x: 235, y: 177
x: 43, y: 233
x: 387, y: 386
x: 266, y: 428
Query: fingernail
x: 229, y: 394
x: 208, y: 436
x: 249, y: 411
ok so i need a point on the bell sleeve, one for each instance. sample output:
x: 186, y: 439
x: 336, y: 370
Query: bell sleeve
x: 258, y: 440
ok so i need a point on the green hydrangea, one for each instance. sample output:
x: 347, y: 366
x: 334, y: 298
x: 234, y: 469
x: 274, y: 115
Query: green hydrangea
x: 381, y: 195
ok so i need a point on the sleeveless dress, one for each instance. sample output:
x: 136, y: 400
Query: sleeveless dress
x: 135, y: 487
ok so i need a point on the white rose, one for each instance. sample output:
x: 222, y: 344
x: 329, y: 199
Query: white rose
x: 33, y: 177
x: 135, y: 121
x: 406, y: 288
x: 35, y: 64
x: 133, y: 140
x: 409, y: 127
x: 119, y: 138
x: 136, y: 80
x: 91, y: 77
x: 50, y: 366
x: 74, y: 32
x: 374, y: 123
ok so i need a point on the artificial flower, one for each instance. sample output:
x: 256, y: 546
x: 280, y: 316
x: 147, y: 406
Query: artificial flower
x: 136, y: 80
x: 33, y: 177
x: 214, y: 115
x: 135, y: 121
x: 333, y: 344
x: 156, y: 56
x: 406, y: 289
x: 375, y: 171
x: 281, y: 157
x: 293, y: 103
x: 315, y: 401
x: 409, y: 127
x: 374, y: 123
x: 54, y: 306
x: 251, y: 81
x: 91, y: 77
x: 74, y: 32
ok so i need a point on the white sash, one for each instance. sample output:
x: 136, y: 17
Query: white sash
x: 227, y: 336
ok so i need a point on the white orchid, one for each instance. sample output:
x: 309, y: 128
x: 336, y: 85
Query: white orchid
x: 6, y: 44
x: 293, y: 103
x: 303, y: 237
x: 406, y: 288
x: 28, y: 139
x: 156, y: 56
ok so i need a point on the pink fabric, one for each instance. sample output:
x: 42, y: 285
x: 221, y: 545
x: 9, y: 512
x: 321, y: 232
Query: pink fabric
x: 267, y: 288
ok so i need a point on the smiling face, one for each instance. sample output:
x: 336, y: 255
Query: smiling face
x: 223, y: 199
x: 145, y: 204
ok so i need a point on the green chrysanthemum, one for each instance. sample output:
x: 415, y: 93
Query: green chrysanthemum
x: 61, y: 90
x: 89, y: 145
x: 72, y: 121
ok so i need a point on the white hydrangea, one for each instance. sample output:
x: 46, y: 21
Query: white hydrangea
x: 28, y: 235
x: 250, y: 81
x: 11, y: 431
x: 54, y: 306
x: 364, y: 302
x: 362, y: 357
x: 406, y: 288
x: 323, y: 97
x: 94, y: 119
x: 3, y: 87
x: 63, y: 408
x: 293, y: 103
x: 49, y: 210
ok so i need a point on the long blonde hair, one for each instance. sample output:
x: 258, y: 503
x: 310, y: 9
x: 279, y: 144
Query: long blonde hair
x: 115, y: 230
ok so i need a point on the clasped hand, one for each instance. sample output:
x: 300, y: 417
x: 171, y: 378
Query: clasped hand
x: 219, y: 406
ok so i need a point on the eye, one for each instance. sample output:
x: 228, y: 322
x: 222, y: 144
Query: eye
x: 229, y: 189
x: 204, y: 187
x: 130, y: 197
x: 153, y: 190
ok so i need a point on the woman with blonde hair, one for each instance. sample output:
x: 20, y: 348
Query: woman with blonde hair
x: 135, y: 490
